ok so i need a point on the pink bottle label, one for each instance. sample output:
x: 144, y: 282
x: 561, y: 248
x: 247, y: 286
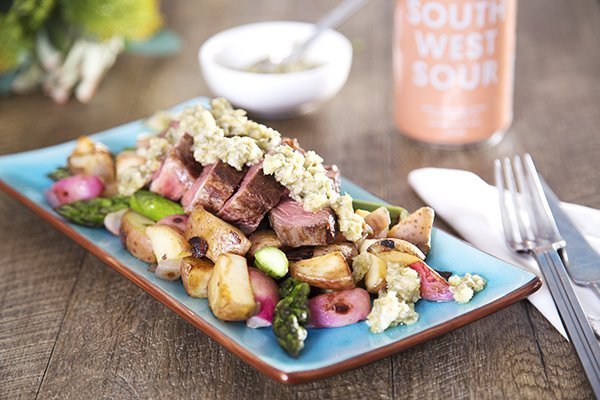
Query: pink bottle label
x: 454, y: 69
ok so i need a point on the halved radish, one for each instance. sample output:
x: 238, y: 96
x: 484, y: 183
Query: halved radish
x: 266, y: 295
x: 335, y: 309
x: 73, y: 188
x: 433, y: 286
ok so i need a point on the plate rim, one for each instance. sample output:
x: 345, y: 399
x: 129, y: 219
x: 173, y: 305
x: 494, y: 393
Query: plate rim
x: 294, y: 377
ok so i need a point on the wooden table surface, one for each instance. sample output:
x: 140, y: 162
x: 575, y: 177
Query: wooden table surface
x: 72, y: 328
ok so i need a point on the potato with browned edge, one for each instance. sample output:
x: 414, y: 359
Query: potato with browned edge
x: 396, y: 250
x: 230, y: 295
x: 329, y: 271
x: 195, y: 274
x: 375, y: 278
x: 133, y: 236
x: 167, y: 242
x: 379, y: 220
x: 220, y: 236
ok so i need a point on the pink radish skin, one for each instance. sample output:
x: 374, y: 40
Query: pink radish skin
x: 177, y: 221
x: 433, y: 286
x: 266, y: 294
x: 335, y: 309
x: 73, y: 188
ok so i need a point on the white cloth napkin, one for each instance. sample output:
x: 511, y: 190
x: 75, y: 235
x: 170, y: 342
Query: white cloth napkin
x: 470, y: 206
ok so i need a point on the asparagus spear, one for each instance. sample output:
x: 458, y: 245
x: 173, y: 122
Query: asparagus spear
x: 92, y: 212
x: 291, y: 314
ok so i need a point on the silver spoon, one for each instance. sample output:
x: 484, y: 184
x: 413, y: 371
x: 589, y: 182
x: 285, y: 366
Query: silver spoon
x: 335, y: 17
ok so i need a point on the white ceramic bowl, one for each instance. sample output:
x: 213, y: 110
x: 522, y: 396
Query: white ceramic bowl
x: 224, y: 57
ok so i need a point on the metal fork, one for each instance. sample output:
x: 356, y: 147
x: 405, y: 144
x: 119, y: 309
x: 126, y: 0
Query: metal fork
x: 530, y: 227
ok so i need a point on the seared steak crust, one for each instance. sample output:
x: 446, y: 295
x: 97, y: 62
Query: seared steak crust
x: 257, y: 194
x: 213, y: 188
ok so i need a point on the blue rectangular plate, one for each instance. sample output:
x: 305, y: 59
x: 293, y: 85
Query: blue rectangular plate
x: 327, y: 351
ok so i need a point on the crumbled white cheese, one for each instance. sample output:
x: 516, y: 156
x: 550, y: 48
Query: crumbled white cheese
x: 463, y: 288
x: 136, y: 177
x: 306, y: 179
x: 246, y: 152
x: 407, y: 314
x: 130, y: 180
x: 210, y: 142
x: 159, y: 121
x: 157, y: 150
x: 389, y: 311
x: 351, y: 224
x: 404, y: 281
x: 386, y: 309
x: 396, y: 306
x: 303, y: 175
x: 234, y: 122
x: 360, y: 265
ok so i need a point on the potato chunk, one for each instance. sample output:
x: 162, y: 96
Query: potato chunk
x: 329, y: 271
x: 195, y: 274
x: 230, y: 295
x: 383, y: 247
x: 416, y: 228
x: 167, y: 242
x: 220, y: 236
x: 133, y: 236
x: 376, y: 274
x: 379, y: 220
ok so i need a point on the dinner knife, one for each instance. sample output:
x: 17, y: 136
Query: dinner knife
x: 581, y: 260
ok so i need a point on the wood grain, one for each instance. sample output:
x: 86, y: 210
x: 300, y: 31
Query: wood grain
x: 72, y: 328
x: 39, y: 270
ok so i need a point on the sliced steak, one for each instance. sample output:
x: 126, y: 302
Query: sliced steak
x: 183, y: 145
x: 213, y: 188
x: 184, y: 148
x: 257, y: 194
x: 174, y: 177
x: 296, y: 227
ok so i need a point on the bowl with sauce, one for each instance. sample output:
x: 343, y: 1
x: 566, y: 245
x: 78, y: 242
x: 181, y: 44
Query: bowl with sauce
x: 228, y: 61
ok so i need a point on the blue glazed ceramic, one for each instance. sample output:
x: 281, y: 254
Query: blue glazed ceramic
x: 327, y: 351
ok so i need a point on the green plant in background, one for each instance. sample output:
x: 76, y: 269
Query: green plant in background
x: 19, y: 21
x: 130, y: 19
x: 67, y: 46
